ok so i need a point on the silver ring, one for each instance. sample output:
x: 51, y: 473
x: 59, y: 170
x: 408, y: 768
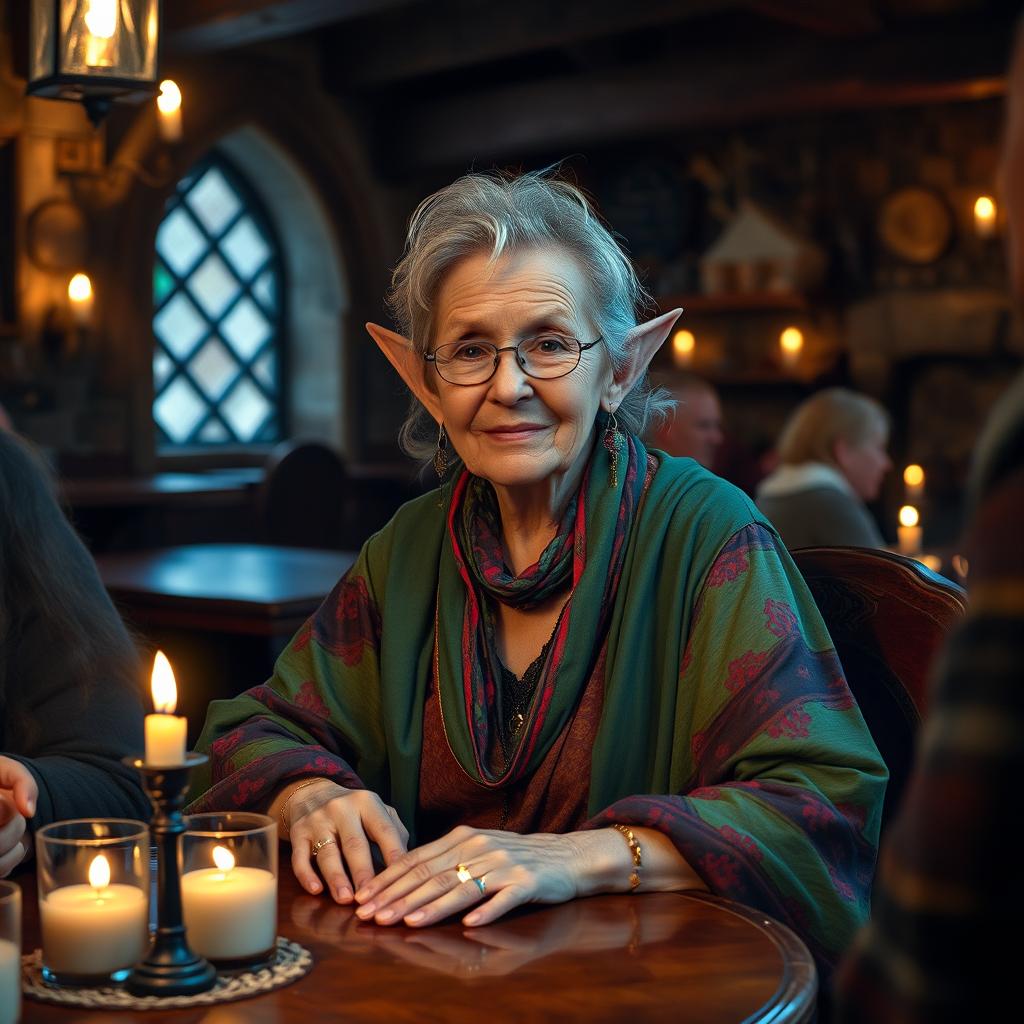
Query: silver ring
x: 320, y: 844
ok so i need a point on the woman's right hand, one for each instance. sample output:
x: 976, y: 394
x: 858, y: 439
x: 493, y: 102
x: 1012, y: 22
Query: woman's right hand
x: 351, y: 819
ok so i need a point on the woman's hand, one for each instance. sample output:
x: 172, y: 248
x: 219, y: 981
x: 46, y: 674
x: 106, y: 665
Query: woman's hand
x: 18, y: 794
x: 507, y: 869
x: 340, y: 824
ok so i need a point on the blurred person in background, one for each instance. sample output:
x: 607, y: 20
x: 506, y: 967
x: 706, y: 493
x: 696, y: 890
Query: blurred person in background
x: 832, y: 455
x: 694, y: 428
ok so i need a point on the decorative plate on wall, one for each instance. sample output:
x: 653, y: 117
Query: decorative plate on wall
x: 915, y: 225
x: 57, y: 235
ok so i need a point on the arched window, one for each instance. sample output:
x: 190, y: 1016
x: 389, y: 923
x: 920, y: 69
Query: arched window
x: 218, y: 295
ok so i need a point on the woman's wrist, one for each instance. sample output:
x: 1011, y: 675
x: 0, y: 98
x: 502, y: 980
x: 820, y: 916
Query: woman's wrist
x: 284, y: 804
x: 604, y: 862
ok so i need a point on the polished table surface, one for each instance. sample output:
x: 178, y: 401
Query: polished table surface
x: 627, y: 959
x: 160, y: 488
x: 250, y: 588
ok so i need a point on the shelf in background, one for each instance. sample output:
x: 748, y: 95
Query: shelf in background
x: 737, y: 302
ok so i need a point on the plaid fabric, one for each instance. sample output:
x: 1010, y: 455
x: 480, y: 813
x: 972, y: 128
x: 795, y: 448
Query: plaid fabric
x: 948, y: 898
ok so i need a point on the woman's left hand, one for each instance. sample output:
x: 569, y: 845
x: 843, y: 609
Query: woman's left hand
x: 507, y: 870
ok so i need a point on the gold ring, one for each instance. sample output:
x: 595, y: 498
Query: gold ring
x: 320, y: 844
x: 463, y: 873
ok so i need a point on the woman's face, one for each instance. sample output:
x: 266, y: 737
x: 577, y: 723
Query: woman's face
x: 864, y: 464
x: 514, y: 430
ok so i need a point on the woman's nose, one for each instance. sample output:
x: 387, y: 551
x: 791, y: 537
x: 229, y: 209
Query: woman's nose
x: 510, y: 381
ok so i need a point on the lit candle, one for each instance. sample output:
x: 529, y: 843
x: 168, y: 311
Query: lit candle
x: 165, y: 731
x: 913, y: 479
x: 985, y: 216
x: 683, y: 344
x: 791, y: 343
x: 169, y: 105
x: 230, y: 912
x: 909, y: 531
x: 81, y: 297
x: 95, y: 929
x: 101, y: 24
x: 10, y: 982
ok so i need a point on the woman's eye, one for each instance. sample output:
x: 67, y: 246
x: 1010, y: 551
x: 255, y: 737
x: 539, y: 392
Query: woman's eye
x: 469, y: 353
x: 549, y: 343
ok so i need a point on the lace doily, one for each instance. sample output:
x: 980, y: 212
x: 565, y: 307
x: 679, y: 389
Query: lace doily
x: 292, y: 963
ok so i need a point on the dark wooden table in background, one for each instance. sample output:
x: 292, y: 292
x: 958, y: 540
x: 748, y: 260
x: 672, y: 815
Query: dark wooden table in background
x: 221, y: 612
x: 623, y: 959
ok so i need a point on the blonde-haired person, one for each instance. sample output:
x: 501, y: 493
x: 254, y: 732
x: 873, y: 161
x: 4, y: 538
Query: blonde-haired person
x: 832, y: 455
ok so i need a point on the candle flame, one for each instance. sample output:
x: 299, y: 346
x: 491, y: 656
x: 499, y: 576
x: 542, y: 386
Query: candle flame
x: 165, y: 691
x: 80, y: 288
x: 909, y: 516
x: 913, y: 475
x: 984, y: 208
x: 99, y: 873
x: 101, y: 18
x: 791, y: 340
x: 169, y: 99
x: 684, y: 342
x: 223, y: 858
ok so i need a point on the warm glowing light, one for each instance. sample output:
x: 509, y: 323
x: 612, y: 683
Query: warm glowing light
x: 101, y: 18
x: 909, y: 516
x: 165, y: 690
x: 80, y: 288
x: 99, y: 873
x: 169, y: 99
x: 913, y: 475
x: 223, y: 858
x: 791, y: 340
x: 985, y: 216
x: 683, y: 342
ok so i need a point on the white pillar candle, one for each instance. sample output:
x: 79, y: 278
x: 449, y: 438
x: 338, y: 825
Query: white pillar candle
x: 169, y: 105
x: 165, y: 732
x: 94, y: 929
x: 10, y: 982
x: 909, y: 531
x: 913, y: 480
x: 230, y: 912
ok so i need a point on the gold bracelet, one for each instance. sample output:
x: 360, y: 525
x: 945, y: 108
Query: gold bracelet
x: 634, y: 848
x: 285, y: 831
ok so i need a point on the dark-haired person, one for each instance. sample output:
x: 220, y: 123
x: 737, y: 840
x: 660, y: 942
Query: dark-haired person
x: 70, y: 700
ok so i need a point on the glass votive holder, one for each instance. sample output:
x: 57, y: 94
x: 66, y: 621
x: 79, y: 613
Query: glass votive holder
x: 10, y: 952
x: 93, y: 899
x: 229, y: 888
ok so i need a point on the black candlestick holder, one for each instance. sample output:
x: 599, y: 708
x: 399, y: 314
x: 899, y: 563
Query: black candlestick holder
x: 170, y: 967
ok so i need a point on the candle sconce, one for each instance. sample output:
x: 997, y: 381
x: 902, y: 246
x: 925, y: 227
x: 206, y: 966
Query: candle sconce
x: 170, y: 967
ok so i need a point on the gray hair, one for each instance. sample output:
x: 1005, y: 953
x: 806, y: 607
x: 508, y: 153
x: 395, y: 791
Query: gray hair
x: 498, y: 214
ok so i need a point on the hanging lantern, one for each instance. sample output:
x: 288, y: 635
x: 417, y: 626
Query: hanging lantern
x: 94, y: 51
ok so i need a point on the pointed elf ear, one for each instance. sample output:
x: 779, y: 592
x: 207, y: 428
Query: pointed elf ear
x: 641, y: 343
x: 410, y: 366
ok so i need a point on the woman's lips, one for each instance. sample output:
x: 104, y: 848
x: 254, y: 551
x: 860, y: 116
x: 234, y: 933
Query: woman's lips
x: 515, y: 432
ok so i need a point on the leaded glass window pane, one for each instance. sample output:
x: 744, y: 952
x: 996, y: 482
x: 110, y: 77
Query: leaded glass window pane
x: 217, y: 292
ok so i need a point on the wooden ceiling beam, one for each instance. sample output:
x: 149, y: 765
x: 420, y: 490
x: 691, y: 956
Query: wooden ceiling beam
x: 437, y: 37
x: 202, y: 26
x: 698, y: 91
x: 850, y: 18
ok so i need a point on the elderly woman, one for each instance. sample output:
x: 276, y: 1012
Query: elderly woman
x: 832, y: 459
x: 577, y: 666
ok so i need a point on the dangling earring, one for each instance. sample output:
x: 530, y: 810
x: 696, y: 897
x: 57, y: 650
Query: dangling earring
x: 441, y: 453
x: 611, y: 442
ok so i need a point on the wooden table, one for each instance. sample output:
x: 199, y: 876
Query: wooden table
x: 219, y: 487
x: 221, y: 612
x: 240, y: 588
x: 623, y: 959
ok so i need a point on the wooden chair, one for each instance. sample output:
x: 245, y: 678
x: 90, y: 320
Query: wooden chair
x: 303, y: 499
x: 888, y: 616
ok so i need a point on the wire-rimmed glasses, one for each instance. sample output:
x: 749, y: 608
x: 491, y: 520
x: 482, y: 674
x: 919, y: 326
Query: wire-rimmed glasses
x: 545, y: 356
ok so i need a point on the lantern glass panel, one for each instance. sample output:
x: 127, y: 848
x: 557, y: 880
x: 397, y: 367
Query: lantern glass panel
x: 43, y: 12
x: 115, y: 38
